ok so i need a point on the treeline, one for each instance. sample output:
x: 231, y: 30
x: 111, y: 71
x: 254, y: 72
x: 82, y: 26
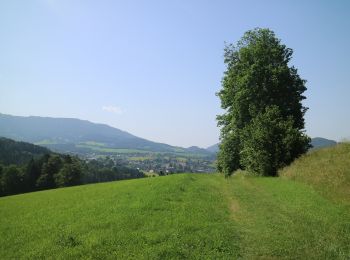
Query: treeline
x: 57, y: 170
x: 26, y: 167
x: 14, y: 152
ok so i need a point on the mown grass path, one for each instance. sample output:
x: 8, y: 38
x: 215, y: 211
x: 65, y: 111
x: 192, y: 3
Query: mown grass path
x: 176, y: 217
x: 279, y: 218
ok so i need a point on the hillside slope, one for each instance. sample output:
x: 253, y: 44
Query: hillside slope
x: 319, y: 142
x: 213, y: 148
x: 55, y: 132
x: 186, y: 216
x: 327, y: 170
x: 75, y: 135
x: 12, y: 152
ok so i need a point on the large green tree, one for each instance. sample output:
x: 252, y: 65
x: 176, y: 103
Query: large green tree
x: 69, y: 175
x: 262, y: 127
x: 48, y: 170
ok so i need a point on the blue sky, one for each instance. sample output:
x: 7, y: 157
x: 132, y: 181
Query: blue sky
x: 152, y: 67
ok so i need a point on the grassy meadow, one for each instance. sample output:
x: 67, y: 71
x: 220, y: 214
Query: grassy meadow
x: 327, y: 170
x: 197, y: 216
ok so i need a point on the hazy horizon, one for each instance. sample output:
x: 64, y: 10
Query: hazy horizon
x: 153, y: 68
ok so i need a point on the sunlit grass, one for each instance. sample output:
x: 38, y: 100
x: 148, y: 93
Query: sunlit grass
x: 196, y: 216
x: 165, y: 217
x: 327, y: 170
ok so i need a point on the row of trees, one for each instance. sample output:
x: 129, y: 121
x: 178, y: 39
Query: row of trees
x: 262, y: 128
x: 56, y: 170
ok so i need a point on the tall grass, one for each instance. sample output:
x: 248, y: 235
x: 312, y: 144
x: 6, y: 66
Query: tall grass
x: 327, y: 170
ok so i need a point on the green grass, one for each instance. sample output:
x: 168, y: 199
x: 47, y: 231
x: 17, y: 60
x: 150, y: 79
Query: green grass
x: 110, y: 150
x: 194, y: 216
x: 305, y: 214
x: 280, y: 218
x: 93, y: 143
x: 326, y: 170
x: 169, y: 217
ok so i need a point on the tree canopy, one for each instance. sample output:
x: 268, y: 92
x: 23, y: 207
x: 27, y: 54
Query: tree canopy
x: 262, y: 128
x: 26, y: 167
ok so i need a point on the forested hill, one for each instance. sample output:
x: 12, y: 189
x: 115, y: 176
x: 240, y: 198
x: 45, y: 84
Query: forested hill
x: 12, y: 152
x: 75, y: 135
x: 26, y: 167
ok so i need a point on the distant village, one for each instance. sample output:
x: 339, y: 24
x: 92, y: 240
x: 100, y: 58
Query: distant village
x: 162, y: 164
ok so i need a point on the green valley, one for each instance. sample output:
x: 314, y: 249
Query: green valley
x: 182, y: 216
x: 174, y: 130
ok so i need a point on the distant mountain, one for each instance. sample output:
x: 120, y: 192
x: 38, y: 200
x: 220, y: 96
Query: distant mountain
x: 75, y: 135
x: 319, y: 142
x: 196, y: 149
x: 12, y: 152
x: 214, y: 148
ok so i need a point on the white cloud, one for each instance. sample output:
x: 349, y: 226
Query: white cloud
x: 113, y: 109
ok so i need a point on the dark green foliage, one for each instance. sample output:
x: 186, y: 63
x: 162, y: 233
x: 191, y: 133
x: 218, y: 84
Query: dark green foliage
x: 257, y: 86
x: 12, y: 180
x: 12, y: 152
x: 32, y: 171
x: 269, y: 143
x: 48, y: 170
x: 104, y: 170
x: 57, y: 170
x: 228, y: 157
x: 70, y: 174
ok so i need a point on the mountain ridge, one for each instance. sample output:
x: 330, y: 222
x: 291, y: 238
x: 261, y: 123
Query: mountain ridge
x: 65, y: 134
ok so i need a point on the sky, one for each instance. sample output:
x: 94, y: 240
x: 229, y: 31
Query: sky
x: 152, y: 68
